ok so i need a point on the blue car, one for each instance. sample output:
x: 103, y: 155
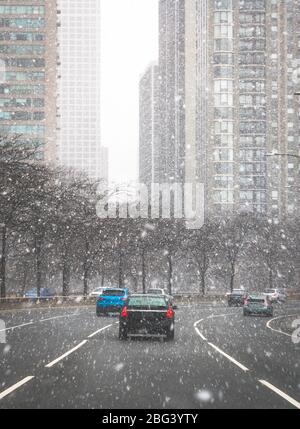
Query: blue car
x: 44, y: 293
x: 111, y: 300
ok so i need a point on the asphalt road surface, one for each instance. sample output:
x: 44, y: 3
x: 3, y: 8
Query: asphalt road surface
x: 69, y: 358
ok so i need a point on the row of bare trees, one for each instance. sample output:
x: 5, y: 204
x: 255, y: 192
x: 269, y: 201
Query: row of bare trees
x: 49, y: 231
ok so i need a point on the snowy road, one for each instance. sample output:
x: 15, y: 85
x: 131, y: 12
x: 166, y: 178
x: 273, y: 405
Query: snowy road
x: 219, y: 359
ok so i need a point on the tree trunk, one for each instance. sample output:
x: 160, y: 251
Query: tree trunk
x: 86, y: 269
x: 203, y: 285
x: 232, y: 277
x: 121, y: 274
x: 170, y: 279
x: 25, y: 276
x: 38, y: 262
x: 85, y: 281
x: 203, y: 274
x: 3, y: 262
x: 270, y: 278
x: 143, y: 272
x: 66, y: 279
x: 135, y: 284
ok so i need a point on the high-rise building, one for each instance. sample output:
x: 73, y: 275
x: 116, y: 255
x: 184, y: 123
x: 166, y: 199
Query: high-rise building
x: 172, y: 90
x: 149, y: 145
x: 104, y: 163
x: 80, y: 50
x: 250, y: 111
x: 28, y: 61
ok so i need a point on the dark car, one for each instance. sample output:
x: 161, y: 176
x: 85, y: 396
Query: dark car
x: 147, y: 316
x: 45, y: 293
x: 237, y: 298
x: 258, y: 304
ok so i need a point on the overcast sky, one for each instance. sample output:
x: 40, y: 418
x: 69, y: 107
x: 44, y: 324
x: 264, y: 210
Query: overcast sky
x: 129, y: 44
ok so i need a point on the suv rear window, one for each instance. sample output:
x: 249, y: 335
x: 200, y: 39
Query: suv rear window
x: 113, y: 292
x: 141, y: 302
x: 256, y: 300
x: 155, y: 291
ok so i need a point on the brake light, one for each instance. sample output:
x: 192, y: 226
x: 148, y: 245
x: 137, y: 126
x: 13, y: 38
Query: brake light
x: 124, y: 312
x: 100, y: 299
x: 170, y: 313
x: 123, y: 299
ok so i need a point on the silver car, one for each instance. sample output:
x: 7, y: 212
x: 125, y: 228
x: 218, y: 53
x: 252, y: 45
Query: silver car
x: 276, y: 295
x: 96, y: 292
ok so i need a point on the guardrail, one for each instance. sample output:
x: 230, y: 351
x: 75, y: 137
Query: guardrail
x: 80, y: 300
x: 56, y: 301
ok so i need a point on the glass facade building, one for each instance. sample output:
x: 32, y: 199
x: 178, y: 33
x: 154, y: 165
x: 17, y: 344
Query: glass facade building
x: 28, y: 61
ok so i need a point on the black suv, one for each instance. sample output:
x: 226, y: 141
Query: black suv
x: 237, y: 298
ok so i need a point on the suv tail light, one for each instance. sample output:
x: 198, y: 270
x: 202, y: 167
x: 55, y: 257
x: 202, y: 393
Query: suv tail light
x: 170, y: 313
x: 124, y: 312
x: 100, y: 299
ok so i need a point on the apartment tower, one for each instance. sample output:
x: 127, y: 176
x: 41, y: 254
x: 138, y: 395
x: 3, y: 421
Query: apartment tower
x: 79, y: 88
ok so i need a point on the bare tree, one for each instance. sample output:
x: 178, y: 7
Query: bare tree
x: 233, y: 236
x: 202, y: 243
x: 18, y: 178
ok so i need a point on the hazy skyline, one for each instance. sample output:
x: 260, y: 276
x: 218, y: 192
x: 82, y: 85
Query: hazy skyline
x: 129, y: 44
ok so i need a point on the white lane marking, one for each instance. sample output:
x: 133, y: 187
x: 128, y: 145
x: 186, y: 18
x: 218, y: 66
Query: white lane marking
x: 200, y: 334
x: 100, y: 330
x: 58, y: 317
x: 15, y: 327
x: 15, y: 387
x: 244, y: 368
x: 281, y: 393
x: 39, y: 321
x: 197, y: 330
x: 278, y: 330
x: 51, y: 364
x: 209, y: 317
